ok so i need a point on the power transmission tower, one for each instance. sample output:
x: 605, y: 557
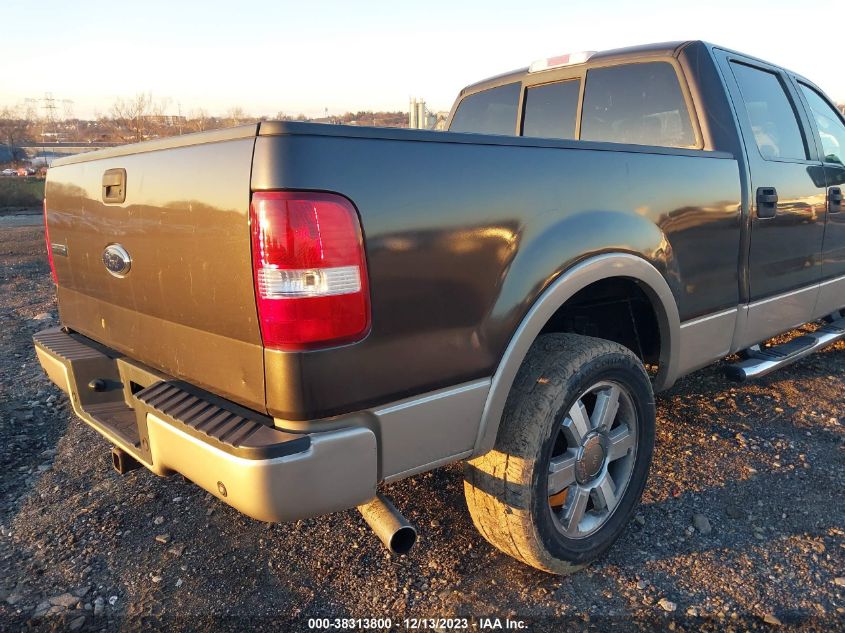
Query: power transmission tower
x: 49, y: 121
x: 69, y: 119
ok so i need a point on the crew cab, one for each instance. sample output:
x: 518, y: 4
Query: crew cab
x: 292, y: 314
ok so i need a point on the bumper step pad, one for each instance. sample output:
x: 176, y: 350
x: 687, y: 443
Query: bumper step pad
x: 223, y: 424
x: 75, y: 361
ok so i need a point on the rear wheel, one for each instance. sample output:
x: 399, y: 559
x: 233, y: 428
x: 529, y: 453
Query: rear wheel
x: 572, y: 454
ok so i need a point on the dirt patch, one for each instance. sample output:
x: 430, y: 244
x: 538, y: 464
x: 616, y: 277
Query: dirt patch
x: 742, y: 525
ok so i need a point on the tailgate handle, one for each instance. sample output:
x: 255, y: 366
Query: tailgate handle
x: 114, y: 186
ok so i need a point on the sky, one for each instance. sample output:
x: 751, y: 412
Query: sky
x: 338, y: 56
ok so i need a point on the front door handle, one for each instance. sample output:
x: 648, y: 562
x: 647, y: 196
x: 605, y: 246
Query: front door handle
x: 834, y: 200
x: 767, y: 202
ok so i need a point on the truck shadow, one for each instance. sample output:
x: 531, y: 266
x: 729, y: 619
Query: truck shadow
x: 83, y: 525
x: 766, y: 480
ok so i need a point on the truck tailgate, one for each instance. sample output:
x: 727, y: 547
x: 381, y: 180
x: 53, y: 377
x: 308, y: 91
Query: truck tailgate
x: 186, y: 305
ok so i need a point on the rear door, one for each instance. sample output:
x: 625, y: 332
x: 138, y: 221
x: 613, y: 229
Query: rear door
x: 829, y: 128
x: 787, y: 195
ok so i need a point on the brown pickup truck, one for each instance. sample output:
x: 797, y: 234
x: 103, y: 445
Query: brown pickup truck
x: 292, y: 314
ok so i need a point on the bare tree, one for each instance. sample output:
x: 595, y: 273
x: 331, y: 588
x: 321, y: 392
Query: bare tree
x: 236, y: 116
x: 283, y: 116
x: 29, y: 110
x: 131, y: 116
x: 13, y: 129
x: 161, y: 107
x: 198, y: 120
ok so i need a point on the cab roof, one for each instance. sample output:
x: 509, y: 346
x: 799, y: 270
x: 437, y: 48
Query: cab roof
x: 667, y: 49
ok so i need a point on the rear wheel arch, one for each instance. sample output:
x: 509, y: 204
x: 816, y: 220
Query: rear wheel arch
x: 567, y: 285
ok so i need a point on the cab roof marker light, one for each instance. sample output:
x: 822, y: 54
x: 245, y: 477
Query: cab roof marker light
x: 569, y: 59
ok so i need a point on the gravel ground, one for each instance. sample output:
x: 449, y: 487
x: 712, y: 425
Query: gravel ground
x: 742, y: 525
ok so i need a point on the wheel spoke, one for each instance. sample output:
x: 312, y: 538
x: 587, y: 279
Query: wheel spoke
x: 604, y: 494
x: 575, y: 510
x: 561, y: 472
x: 607, y: 404
x: 577, y: 424
x: 621, y: 441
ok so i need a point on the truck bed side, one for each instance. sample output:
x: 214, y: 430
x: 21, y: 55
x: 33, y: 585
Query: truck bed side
x: 464, y: 232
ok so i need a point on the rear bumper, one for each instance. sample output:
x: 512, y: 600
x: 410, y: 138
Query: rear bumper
x: 233, y: 453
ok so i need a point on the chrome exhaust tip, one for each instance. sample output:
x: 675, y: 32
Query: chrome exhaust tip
x: 393, y: 529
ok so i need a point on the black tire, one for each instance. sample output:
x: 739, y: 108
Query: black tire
x: 507, y: 489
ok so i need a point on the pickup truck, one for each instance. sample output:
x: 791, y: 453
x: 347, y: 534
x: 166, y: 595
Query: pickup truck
x: 291, y: 315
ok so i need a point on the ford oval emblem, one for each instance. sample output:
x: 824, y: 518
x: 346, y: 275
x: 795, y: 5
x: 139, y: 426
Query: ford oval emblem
x: 117, y: 260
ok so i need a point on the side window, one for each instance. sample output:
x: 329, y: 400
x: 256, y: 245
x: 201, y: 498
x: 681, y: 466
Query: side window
x: 770, y: 112
x: 550, y: 110
x: 488, y: 112
x: 636, y: 103
x: 830, y: 126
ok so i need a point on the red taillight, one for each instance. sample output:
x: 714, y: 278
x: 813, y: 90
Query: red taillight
x: 49, y: 245
x: 309, y: 270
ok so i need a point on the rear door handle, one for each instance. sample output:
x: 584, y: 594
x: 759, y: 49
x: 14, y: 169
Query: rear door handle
x: 834, y: 200
x: 767, y: 202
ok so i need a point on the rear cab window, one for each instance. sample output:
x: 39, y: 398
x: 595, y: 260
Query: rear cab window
x: 490, y: 111
x: 636, y: 103
x: 550, y: 110
x: 639, y: 103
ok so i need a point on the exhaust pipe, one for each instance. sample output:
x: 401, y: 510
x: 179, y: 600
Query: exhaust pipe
x: 122, y: 461
x: 389, y: 525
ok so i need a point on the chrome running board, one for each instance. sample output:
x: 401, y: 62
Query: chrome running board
x: 760, y: 362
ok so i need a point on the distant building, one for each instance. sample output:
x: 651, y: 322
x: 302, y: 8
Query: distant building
x: 420, y: 118
x: 165, y: 120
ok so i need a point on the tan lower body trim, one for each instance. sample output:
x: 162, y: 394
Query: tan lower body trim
x: 706, y: 339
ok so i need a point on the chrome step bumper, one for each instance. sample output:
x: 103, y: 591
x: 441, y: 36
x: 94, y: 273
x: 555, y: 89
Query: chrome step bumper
x: 232, y: 452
